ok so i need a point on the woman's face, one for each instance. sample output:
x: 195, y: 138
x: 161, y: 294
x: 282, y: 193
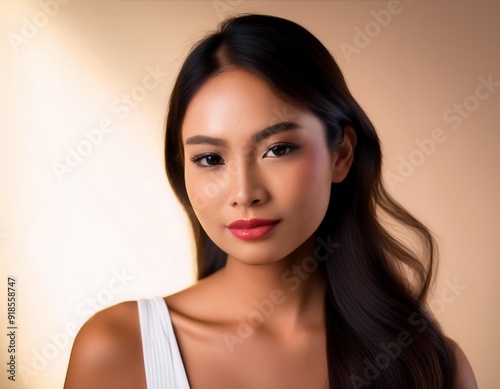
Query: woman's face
x: 234, y: 170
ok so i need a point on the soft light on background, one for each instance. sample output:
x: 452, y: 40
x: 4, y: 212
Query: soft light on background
x: 88, y: 218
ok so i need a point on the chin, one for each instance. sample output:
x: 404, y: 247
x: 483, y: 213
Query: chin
x: 258, y: 257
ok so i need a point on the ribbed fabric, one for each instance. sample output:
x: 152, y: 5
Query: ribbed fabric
x: 162, y: 359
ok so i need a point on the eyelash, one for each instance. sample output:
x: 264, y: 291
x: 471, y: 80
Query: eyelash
x: 197, y: 158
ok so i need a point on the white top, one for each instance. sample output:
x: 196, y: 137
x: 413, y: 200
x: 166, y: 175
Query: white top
x: 162, y: 359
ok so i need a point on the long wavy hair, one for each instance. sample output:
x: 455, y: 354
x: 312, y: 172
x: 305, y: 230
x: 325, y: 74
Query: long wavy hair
x: 379, y: 330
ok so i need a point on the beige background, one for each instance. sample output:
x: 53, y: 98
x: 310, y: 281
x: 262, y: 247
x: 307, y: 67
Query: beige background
x: 109, y: 229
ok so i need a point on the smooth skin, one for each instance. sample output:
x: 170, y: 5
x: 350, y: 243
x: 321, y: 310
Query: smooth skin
x: 233, y: 171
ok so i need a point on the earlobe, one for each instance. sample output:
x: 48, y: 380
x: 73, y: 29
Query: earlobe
x: 343, y: 155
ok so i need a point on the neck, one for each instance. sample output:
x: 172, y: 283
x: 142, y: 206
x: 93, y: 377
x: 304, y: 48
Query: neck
x: 287, y: 295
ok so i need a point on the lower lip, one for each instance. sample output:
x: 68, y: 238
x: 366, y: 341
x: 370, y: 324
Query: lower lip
x: 252, y: 233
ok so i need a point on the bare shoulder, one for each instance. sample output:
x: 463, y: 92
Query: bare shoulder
x: 107, y: 351
x: 464, y: 378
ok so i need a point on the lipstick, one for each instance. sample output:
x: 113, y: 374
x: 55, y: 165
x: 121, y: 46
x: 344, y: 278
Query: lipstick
x: 251, y: 229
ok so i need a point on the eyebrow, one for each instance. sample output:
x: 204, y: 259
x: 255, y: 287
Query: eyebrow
x: 256, y: 138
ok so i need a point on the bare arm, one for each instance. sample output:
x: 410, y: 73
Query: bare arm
x: 464, y: 378
x: 107, y: 352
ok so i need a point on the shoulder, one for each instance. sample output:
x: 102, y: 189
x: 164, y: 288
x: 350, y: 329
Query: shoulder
x: 107, y: 351
x: 464, y: 376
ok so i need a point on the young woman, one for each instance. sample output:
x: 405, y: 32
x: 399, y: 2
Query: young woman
x: 300, y: 285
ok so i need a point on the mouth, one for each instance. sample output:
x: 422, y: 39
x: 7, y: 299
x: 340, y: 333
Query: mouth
x: 251, y: 229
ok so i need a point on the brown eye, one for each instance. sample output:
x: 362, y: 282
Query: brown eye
x: 281, y: 150
x: 210, y: 160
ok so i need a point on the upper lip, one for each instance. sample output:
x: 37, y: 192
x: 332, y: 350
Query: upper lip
x: 251, y: 223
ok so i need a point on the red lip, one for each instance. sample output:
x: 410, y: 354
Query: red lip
x: 252, y: 229
x: 252, y: 223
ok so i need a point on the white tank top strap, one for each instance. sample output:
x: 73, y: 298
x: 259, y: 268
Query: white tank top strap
x: 162, y: 359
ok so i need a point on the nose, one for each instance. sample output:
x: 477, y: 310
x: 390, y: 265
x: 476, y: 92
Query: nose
x: 247, y: 186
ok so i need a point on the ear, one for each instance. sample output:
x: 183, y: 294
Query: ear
x: 343, y: 155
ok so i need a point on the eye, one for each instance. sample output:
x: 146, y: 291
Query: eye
x: 211, y: 160
x: 281, y: 150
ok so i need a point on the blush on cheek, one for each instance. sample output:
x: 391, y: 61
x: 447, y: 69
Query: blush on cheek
x: 301, y: 186
x: 310, y: 174
x: 312, y: 185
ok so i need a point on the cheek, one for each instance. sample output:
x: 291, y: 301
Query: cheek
x: 205, y: 192
x: 306, y: 184
x: 197, y: 191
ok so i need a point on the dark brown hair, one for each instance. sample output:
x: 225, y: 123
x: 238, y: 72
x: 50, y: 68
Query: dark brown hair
x: 379, y: 331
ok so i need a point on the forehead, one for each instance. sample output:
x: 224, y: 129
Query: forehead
x: 236, y: 100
